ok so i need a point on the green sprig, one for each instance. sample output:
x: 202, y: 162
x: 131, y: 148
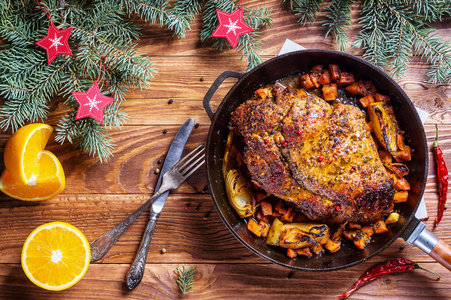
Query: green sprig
x: 185, y: 279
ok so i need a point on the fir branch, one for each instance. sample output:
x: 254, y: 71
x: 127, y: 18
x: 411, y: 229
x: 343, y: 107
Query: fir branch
x: 305, y: 9
x: 185, y: 279
x: 338, y: 18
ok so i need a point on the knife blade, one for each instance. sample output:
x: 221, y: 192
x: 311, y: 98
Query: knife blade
x: 174, y: 154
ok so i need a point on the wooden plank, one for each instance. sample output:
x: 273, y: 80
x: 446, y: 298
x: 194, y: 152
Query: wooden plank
x: 231, y: 281
x: 184, y: 233
x: 140, y: 147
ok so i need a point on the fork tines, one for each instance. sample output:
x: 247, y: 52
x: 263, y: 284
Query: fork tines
x: 192, y: 161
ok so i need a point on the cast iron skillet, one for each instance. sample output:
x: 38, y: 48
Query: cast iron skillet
x: 295, y: 63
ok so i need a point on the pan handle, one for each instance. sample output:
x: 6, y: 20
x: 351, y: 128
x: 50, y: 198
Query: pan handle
x: 211, y: 91
x: 432, y: 245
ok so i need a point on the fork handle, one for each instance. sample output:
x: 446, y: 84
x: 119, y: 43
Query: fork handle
x: 103, y: 244
x: 136, y: 272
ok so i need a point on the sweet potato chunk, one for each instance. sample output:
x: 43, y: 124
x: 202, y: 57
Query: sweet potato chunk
x: 346, y: 78
x: 306, y: 82
x: 356, y: 88
x: 253, y: 227
x: 325, y: 77
x: 400, y: 196
x: 367, y: 100
x: 335, y: 71
x: 330, y: 91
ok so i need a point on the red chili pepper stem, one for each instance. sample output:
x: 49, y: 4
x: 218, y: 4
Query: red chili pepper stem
x: 417, y: 266
x: 435, y: 144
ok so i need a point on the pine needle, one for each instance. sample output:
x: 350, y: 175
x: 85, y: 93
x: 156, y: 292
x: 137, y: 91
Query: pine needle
x: 185, y: 279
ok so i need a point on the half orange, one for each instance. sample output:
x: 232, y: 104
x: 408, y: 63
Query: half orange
x: 55, y: 256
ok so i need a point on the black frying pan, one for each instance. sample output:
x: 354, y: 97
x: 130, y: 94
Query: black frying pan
x: 294, y: 63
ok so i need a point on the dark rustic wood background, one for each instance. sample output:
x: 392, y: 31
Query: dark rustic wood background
x: 97, y: 196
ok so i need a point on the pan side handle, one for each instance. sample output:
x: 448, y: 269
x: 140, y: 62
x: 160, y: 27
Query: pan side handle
x: 432, y: 245
x: 211, y: 91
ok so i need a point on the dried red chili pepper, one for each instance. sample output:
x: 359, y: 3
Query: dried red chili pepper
x: 442, y: 177
x: 390, y: 266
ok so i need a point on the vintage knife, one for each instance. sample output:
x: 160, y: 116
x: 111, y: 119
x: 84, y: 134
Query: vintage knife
x: 136, y: 271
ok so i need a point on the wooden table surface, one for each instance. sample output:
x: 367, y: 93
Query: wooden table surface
x: 98, y: 196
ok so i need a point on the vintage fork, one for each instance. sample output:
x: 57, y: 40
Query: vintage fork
x: 172, y: 179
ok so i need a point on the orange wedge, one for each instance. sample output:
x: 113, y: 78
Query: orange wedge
x: 56, y: 256
x: 32, y: 173
x: 23, y: 149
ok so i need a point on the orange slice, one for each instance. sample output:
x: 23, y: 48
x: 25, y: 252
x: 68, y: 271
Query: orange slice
x: 56, y: 256
x: 23, y: 149
x: 49, y: 182
x: 32, y: 173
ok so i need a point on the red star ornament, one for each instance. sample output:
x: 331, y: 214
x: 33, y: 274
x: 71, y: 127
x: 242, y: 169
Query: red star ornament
x: 91, y: 103
x: 231, y: 26
x: 56, y: 42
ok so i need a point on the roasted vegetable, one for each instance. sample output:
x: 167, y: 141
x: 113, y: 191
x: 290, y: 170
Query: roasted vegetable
x: 239, y: 192
x: 400, y: 196
x: 301, y: 235
x: 275, y: 231
x: 399, y: 169
x: 392, y: 218
x: 330, y: 91
x: 254, y: 227
x: 229, y: 161
x: 384, y: 124
x: 379, y: 227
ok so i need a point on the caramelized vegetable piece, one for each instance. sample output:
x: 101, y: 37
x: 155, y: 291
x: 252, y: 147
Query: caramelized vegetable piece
x: 365, y: 101
x: 229, y: 161
x: 304, y: 251
x: 354, y: 225
x: 265, y: 228
x: 261, y: 217
x: 399, y: 169
x: 325, y: 77
x: 306, y: 82
x: 330, y: 91
x: 266, y: 208
x: 275, y: 231
x: 361, y: 240
x: 346, y: 78
x: 262, y: 93
x: 289, y: 215
x: 379, y: 227
x: 253, y: 227
x: 381, y: 98
x: 240, y: 193
x: 392, y: 218
x: 291, y: 253
x: 385, y: 127
x: 301, y: 235
x: 402, y: 185
x: 403, y: 155
x: 333, y: 246
x: 314, y: 77
x: 259, y: 196
x: 350, y: 234
x: 335, y: 71
x: 356, y: 88
x: 400, y: 196
x: 368, y: 230
x: 317, y: 249
x: 385, y: 157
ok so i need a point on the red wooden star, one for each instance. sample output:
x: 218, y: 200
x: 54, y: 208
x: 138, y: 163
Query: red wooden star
x: 231, y: 26
x: 91, y: 103
x: 56, y: 42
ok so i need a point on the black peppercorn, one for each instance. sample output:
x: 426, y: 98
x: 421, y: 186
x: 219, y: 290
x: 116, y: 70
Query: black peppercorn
x: 202, y: 78
x: 197, y: 125
x: 165, y: 131
x: 170, y: 101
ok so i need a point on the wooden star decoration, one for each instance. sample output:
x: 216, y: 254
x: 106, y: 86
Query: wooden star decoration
x: 91, y: 103
x: 56, y: 42
x: 231, y: 26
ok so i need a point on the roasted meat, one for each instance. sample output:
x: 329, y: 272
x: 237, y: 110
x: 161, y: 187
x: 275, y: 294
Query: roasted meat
x: 318, y: 156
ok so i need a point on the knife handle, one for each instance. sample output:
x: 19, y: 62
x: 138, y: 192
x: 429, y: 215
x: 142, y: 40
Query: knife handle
x: 103, y: 244
x: 136, y: 272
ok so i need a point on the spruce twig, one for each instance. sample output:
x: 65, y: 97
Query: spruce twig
x: 185, y: 279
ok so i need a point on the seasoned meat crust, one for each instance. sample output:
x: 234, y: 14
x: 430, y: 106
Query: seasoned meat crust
x: 320, y: 157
